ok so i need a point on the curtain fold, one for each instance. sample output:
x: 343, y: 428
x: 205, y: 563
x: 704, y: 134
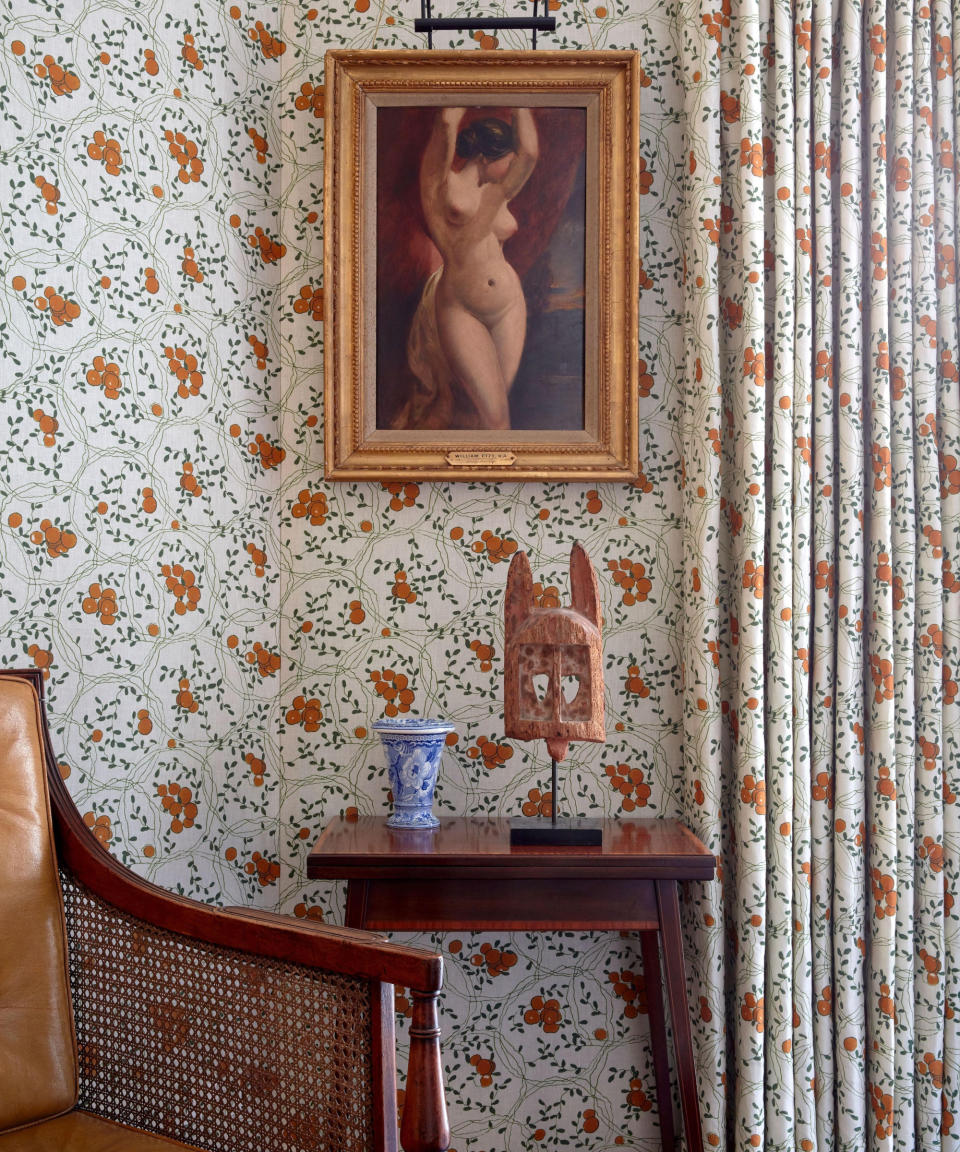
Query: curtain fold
x: 821, y: 473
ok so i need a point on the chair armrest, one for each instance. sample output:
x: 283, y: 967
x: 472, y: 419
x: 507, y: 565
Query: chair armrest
x: 424, y: 1125
x: 234, y: 1051
x: 279, y: 920
x: 359, y: 954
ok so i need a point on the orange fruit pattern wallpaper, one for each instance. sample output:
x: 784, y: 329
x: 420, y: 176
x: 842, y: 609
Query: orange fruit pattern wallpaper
x: 218, y: 627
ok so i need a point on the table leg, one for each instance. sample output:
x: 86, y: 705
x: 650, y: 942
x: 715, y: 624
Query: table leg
x: 356, y: 914
x: 668, y: 906
x: 658, y: 1037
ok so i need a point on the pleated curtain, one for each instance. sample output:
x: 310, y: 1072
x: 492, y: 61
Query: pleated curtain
x: 821, y: 472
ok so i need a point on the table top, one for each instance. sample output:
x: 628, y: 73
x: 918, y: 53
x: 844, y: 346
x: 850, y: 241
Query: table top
x: 365, y: 848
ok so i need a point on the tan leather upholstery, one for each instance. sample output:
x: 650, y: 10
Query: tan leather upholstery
x: 81, y: 1132
x: 38, y: 1065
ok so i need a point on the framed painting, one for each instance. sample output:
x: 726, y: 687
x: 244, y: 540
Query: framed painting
x: 480, y: 265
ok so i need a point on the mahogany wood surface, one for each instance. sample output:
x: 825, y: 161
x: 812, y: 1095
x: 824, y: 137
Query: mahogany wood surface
x: 679, y: 1014
x: 465, y: 874
x: 384, y: 1066
x: 424, y: 1128
x: 658, y: 1034
x: 523, y: 905
x: 478, y: 847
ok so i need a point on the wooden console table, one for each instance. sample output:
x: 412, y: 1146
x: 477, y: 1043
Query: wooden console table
x: 465, y: 875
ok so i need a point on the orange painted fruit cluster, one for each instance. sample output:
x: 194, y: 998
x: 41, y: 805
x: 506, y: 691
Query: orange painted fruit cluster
x: 107, y: 149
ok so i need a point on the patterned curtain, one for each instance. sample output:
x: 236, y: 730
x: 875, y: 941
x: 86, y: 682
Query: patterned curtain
x: 822, y: 568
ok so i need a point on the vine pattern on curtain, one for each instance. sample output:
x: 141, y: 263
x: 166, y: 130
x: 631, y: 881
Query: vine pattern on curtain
x: 821, y: 439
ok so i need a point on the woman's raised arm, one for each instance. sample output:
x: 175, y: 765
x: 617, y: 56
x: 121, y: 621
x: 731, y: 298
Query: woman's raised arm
x: 527, y: 151
x: 437, y: 159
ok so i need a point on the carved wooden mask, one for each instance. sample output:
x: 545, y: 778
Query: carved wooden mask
x: 553, y: 685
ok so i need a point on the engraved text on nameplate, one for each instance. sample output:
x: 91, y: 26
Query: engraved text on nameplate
x: 473, y: 459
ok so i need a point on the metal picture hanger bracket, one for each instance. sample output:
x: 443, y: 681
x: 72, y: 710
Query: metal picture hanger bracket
x: 429, y: 23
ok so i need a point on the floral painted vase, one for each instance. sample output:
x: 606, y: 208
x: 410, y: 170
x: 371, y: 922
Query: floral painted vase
x: 413, y: 746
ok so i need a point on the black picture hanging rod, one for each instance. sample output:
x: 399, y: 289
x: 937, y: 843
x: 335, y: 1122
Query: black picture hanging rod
x: 532, y: 24
x: 450, y: 24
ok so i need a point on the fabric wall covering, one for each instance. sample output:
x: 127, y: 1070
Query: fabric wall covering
x: 220, y: 628
x: 820, y: 590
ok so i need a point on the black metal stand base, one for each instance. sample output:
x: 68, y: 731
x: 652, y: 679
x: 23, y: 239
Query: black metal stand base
x: 568, y: 831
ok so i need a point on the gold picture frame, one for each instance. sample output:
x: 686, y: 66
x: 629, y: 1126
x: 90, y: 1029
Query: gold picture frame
x: 480, y: 265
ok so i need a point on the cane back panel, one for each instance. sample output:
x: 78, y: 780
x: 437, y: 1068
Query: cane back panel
x: 214, y: 1047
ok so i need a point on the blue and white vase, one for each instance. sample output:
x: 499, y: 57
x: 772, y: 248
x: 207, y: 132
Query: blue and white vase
x: 413, y: 746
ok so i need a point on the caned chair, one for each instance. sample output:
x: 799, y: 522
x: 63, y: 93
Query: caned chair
x: 134, y: 1020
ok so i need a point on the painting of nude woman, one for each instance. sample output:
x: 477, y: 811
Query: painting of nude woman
x: 480, y: 240
x: 480, y: 265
